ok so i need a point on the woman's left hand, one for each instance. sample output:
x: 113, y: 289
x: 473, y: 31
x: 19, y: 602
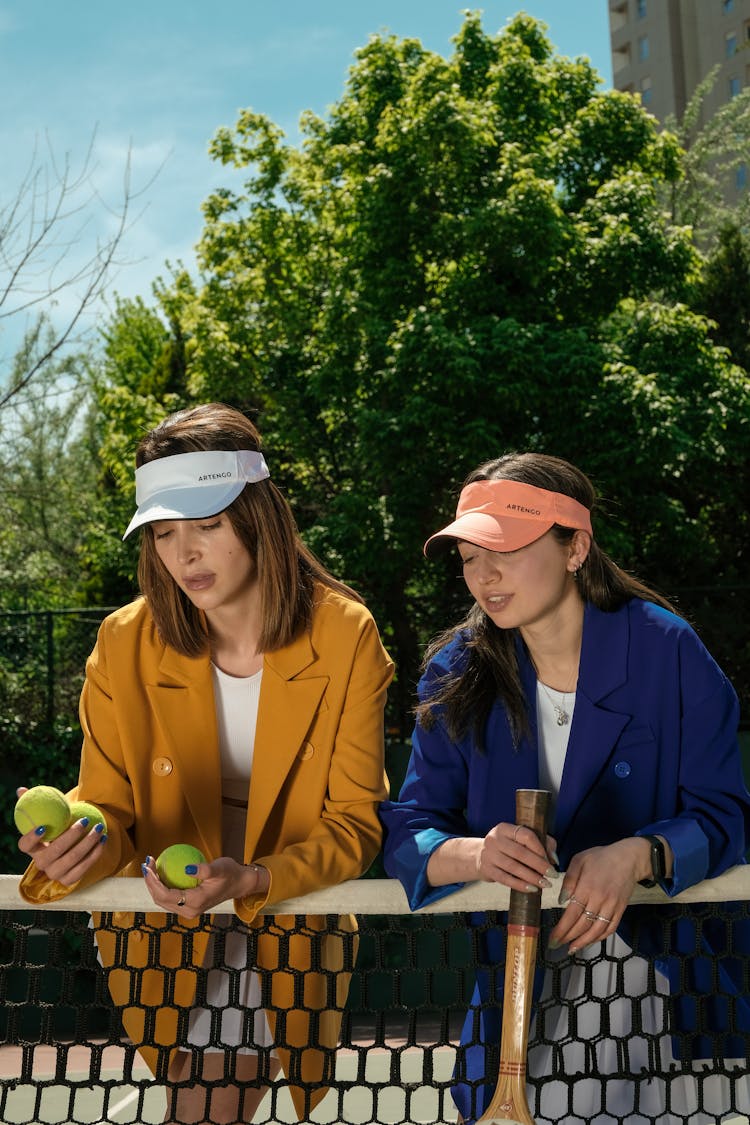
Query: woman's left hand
x: 220, y: 881
x: 596, y: 889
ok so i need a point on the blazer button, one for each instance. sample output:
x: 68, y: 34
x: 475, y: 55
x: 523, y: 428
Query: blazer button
x: 622, y: 769
x: 306, y: 752
x: 162, y: 767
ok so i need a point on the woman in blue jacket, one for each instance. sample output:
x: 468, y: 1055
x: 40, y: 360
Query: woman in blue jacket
x: 570, y: 675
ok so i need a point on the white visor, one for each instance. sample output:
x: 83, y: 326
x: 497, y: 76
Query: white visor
x: 190, y: 486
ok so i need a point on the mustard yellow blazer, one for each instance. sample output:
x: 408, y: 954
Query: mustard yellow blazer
x: 150, y: 760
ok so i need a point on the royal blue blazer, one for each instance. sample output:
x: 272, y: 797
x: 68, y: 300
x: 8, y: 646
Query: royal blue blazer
x: 653, y: 749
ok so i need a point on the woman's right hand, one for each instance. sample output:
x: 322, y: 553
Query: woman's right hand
x: 509, y: 854
x: 67, y: 858
x: 513, y: 855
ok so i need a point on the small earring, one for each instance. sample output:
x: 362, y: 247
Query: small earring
x: 577, y: 570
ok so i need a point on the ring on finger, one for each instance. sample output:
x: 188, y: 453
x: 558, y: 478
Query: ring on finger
x: 181, y: 900
x: 515, y: 834
x: 578, y: 902
x: 596, y: 917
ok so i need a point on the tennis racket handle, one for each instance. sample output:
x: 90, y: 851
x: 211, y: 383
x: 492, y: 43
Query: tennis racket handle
x: 532, y: 807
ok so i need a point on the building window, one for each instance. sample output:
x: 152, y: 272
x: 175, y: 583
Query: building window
x: 646, y: 91
x: 728, y: 5
x: 641, y: 9
x: 740, y: 177
x: 734, y: 86
x: 618, y: 14
x: 730, y: 44
x: 621, y: 58
x: 642, y: 48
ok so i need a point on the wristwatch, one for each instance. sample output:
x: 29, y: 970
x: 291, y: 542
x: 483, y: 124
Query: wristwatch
x: 658, y: 862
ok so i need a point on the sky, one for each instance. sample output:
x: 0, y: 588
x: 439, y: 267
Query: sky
x: 150, y: 83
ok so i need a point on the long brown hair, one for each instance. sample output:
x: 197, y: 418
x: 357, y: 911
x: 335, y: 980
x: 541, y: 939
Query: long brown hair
x: 491, y: 670
x: 261, y: 518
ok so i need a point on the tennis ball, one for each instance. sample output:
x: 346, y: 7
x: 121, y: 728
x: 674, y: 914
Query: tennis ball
x: 42, y: 805
x: 170, y: 865
x: 80, y: 809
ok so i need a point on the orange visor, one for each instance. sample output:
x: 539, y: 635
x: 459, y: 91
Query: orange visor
x: 503, y: 515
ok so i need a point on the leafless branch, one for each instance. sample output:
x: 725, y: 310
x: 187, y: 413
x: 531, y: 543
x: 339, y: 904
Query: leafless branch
x: 42, y: 230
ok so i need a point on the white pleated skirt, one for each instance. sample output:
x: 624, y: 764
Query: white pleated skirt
x: 614, y: 984
x: 233, y: 998
x: 233, y: 1015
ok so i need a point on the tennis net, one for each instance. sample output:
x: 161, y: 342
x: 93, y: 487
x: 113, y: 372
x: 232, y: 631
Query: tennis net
x: 65, y: 1058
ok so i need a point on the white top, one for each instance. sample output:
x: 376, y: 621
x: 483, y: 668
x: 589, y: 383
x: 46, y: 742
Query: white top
x: 236, y: 699
x: 553, y: 737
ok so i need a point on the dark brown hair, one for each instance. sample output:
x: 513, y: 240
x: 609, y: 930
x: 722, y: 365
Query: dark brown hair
x: 492, y: 670
x: 261, y: 518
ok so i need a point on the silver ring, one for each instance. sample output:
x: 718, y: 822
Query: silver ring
x: 578, y: 903
x: 595, y: 917
x: 181, y: 901
x: 515, y: 834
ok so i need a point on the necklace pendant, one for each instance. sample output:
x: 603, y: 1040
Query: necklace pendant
x: 562, y: 716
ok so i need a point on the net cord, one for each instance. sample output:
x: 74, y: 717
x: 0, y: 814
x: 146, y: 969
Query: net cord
x: 367, y: 896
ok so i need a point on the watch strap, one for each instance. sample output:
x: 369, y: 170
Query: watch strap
x: 658, y: 862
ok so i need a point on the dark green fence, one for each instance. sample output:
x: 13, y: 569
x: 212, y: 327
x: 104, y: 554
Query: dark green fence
x: 43, y: 652
x: 42, y: 661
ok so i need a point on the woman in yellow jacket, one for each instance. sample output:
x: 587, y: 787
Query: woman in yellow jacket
x: 236, y: 706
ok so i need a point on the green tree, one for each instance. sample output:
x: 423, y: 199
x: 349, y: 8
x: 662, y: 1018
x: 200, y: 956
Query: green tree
x: 467, y: 255
x: 723, y: 292
x: 48, y: 459
x: 48, y: 468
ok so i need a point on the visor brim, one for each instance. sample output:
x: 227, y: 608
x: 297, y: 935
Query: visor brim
x: 508, y: 534
x: 185, y: 504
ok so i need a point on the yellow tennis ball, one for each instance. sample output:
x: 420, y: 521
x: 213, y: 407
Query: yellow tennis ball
x: 42, y: 805
x: 171, y: 864
x: 79, y: 809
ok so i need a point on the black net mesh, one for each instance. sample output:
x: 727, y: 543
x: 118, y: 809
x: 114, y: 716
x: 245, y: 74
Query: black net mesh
x: 606, y: 1026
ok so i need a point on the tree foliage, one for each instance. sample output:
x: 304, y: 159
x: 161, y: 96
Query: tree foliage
x: 48, y: 471
x: 715, y: 151
x: 723, y: 293
x: 467, y: 255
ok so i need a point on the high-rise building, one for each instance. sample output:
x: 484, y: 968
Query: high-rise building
x: 663, y: 49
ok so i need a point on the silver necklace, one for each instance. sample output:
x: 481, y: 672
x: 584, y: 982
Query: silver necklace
x: 561, y: 713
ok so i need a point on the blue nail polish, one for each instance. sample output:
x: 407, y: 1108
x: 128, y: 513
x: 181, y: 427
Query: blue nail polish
x: 97, y: 827
x: 40, y: 830
x: 144, y: 869
x: 102, y: 839
x: 191, y: 869
x: 84, y: 822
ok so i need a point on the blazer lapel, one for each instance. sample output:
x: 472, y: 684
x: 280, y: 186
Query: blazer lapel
x: 289, y: 700
x: 595, y: 728
x: 183, y: 701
